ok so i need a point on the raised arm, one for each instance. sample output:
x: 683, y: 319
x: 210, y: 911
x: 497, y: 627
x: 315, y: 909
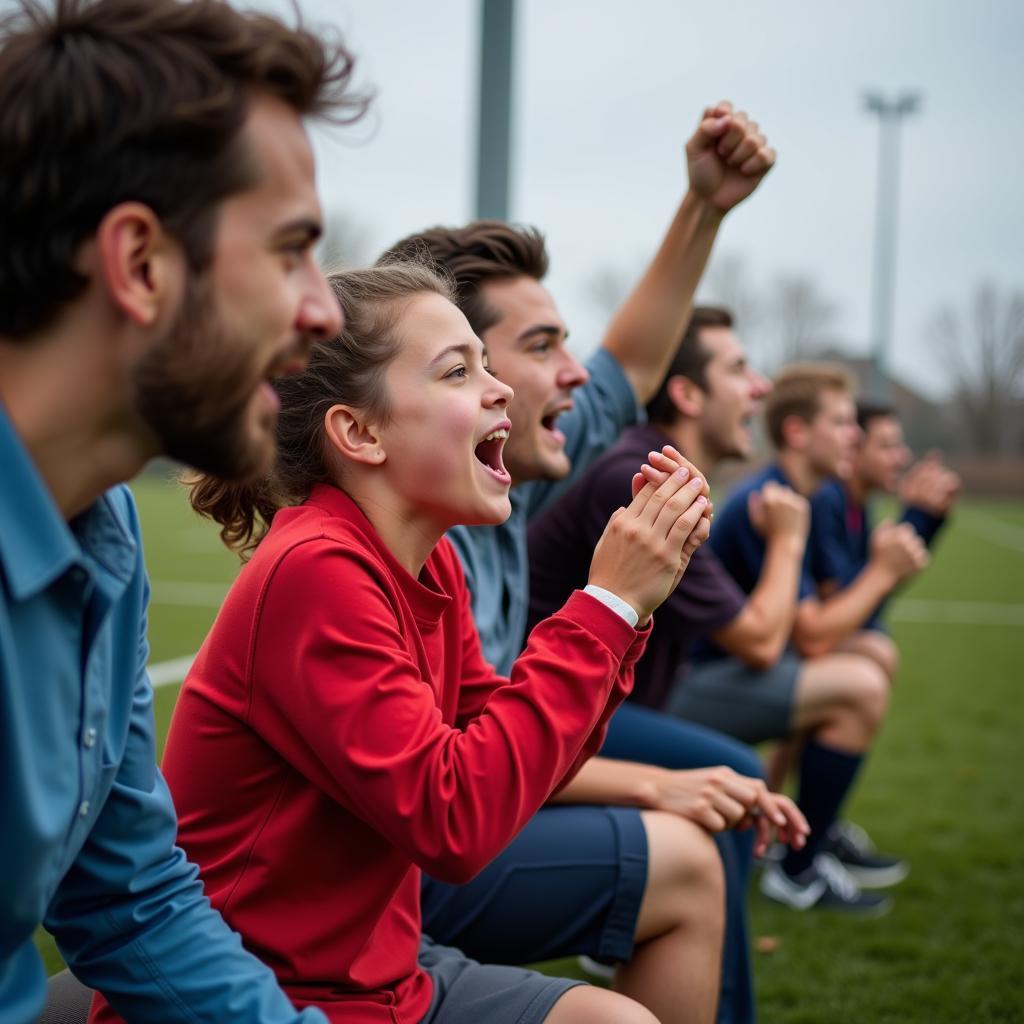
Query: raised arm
x: 759, y: 634
x: 726, y: 159
x: 897, y: 554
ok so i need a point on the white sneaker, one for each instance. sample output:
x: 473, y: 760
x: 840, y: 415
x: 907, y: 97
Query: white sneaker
x: 826, y: 885
x: 596, y: 970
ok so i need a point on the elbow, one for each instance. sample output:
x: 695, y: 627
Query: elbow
x: 760, y: 657
x: 762, y: 653
x: 455, y: 870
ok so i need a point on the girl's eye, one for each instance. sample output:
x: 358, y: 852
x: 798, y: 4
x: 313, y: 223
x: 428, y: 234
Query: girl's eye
x: 458, y: 373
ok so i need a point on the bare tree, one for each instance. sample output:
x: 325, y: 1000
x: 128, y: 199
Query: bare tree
x: 728, y: 283
x: 984, y: 350
x: 802, y: 317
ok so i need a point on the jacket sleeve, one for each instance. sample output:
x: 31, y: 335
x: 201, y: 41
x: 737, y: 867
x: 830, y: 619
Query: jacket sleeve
x: 479, y: 681
x: 130, y: 917
x: 340, y: 696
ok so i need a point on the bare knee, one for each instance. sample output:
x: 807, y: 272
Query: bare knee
x: 887, y: 654
x: 585, y: 1004
x: 868, y: 689
x: 870, y: 643
x: 685, y: 879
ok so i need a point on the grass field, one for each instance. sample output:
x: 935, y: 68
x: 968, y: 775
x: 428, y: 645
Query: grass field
x: 944, y: 788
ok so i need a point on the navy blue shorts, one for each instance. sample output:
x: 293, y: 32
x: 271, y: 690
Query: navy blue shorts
x: 571, y: 882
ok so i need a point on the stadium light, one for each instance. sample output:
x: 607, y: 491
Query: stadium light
x: 890, y: 117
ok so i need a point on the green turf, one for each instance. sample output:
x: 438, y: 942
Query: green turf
x: 943, y: 789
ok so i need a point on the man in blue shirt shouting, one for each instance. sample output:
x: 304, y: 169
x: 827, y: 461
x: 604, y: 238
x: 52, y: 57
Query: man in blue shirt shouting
x: 158, y: 212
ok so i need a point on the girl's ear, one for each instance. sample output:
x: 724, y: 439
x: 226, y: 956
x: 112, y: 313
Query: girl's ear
x: 353, y: 436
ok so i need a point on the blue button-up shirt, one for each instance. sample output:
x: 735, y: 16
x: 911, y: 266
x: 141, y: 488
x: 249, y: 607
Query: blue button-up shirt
x: 495, y: 557
x: 87, y: 827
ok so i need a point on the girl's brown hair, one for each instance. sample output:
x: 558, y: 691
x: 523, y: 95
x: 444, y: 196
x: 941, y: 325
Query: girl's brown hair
x: 347, y: 370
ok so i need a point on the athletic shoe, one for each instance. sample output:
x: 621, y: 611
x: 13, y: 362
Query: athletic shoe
x: 595, y: 969
x: 851, y: 846
x: 825, y: 885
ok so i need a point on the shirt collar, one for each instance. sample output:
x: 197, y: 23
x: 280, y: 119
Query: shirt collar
x: 36, y: 544
x: 426, y: 595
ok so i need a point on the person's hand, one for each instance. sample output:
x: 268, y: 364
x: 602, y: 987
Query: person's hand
x: 898, y: 550
x: 720, y: 798
x: 727, y: 157
x: 643, y: 550
x: 656, y: 470
x: 777, y: 511
x: 931, y: 486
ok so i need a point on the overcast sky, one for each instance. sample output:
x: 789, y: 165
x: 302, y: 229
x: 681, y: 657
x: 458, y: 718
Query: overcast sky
x: 607, y: 92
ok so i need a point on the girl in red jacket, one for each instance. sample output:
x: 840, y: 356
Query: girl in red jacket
x: 340, y: 729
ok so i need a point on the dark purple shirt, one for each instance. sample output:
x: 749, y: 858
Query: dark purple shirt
x: 561, y: 544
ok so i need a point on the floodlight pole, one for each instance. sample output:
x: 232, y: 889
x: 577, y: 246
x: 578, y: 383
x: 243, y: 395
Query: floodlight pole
x: 494, y: 133
x: 890, y: 116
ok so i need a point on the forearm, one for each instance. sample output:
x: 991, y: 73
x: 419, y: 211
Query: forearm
x: 773, y: 601
x: 605, y: 781
x: 820, y: 625
x: 646, y: 329
x: 131, y: 920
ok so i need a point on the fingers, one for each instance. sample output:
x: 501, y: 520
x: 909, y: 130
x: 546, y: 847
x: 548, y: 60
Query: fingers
x: 698, y: 536
x: 760, y: 163
x: 734, y: 135
x: 680, y: 514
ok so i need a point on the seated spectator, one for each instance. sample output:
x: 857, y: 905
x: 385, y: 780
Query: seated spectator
x: 158, y: 212
x: 758, y: 689
x: 812, y: 426
x: 840, y: 540
x: 564, y: 416
x: 340, y: 729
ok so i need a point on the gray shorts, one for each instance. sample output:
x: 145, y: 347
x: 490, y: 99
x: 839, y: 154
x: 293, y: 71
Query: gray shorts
x: 725, y: 694
x: 467, y: 992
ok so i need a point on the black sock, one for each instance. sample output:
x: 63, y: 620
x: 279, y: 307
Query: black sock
x: 826, y: 775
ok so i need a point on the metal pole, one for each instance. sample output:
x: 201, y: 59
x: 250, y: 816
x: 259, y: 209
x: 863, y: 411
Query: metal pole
x: 890, y: 115
x: 494, y: 138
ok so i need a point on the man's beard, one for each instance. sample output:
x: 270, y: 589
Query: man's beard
x: 193, y: 389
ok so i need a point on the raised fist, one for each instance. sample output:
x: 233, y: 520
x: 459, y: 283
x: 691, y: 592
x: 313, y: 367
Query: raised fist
x: 727, y: 157
x: 777, y: 510
x: 898, y: 550
x: 931, y: 486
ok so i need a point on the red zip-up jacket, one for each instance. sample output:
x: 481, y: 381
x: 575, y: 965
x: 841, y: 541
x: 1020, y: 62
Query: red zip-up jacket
x: 340, y: 730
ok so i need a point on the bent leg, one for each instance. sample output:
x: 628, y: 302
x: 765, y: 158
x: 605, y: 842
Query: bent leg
x: 586, y: 1005
x: 879, y: 647
x: 641, y: 734
x: 576, y: 880
x: 841, y: 702
x: 675, y: 969
x: 570, y: 883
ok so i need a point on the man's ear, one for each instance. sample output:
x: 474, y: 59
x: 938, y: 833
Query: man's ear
x: 140, y: 264
x: 353, y: 436
x: 794, y: 431
x: 685, y: 396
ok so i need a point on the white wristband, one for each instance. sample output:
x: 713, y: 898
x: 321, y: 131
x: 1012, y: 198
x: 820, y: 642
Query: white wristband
x: 613, y: 601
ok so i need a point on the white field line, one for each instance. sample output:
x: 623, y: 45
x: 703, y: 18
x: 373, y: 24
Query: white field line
x: 165, y: 673
x: 996, y: 531
x: 947, y: 613
x: 959, y: 613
